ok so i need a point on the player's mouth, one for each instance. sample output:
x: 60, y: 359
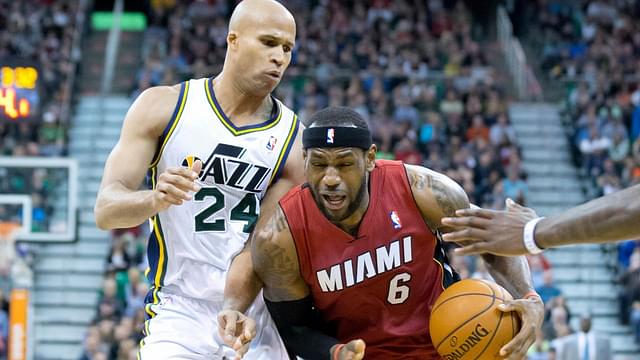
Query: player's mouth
x: 275, y: 75
x: 334, y: 202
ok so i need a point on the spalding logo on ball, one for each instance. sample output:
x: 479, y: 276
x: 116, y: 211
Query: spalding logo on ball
x: 466, y: 323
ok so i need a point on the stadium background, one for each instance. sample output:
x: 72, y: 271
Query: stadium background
x: 533, y: 100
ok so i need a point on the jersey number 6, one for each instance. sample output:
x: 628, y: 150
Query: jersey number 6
x: 398, y: 289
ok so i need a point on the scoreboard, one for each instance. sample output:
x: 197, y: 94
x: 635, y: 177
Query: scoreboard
x: 19, y: 95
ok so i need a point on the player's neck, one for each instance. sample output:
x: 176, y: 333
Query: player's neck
x: 351, y: 225
x: 241, y: 107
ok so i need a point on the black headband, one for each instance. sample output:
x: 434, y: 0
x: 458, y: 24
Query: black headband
x: 336, y: 136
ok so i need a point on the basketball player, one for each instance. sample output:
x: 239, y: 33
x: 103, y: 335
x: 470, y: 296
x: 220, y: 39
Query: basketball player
x: 610, y: 218
x: 355, y: 252
x: 212, y: 148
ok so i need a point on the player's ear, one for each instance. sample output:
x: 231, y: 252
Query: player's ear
x: 232, y: 40
x: 370, y: 157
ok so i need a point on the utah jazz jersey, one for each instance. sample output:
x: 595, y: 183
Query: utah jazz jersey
x: 379, y: 285
x: 191, y: 246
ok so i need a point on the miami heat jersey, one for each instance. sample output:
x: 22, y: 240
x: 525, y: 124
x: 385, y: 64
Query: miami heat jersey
x: 380, y: 284
x: 191, y: 245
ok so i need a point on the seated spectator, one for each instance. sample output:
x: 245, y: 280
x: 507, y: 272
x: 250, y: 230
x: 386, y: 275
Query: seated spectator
x: 630, y: 281
x: 548, y: 290
x: 594, y: 151
x: 502, y: 133
x: 514, y: 187
x: 619, y: 149
x: 478, y: 129
x: 118, y: 259
x: 609, y: 182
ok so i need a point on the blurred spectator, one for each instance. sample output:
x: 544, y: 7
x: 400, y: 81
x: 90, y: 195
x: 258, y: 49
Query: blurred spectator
x: 585, y: 344
x: 502, y: 133
x: 118, y: 258
x: 630, y: 281
x: 514, y: 187
x: 593, y: 151
x: 548, y: 290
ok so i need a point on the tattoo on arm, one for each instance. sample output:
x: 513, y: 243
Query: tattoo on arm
x: 274, y: 263
x: 419, y: 181
x: 447, y: 199
x: 448, y: 196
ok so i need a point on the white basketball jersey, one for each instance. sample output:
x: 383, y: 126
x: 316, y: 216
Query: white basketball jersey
x: 191, y: 246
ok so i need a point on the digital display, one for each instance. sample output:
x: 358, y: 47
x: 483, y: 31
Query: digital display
x: 19, y: 97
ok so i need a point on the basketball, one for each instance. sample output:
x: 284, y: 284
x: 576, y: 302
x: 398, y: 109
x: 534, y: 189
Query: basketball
x: 466, y: 323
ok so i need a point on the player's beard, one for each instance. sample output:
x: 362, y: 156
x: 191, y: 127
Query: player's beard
x: 353, y: 205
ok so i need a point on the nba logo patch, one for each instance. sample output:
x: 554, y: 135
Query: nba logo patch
x: 271, y: 144
x: 330, y: 134
x: 395, y: 219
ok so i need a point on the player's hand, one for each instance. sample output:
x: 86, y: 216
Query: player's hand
x: 483, y: 231
x: 531, y: 311
x: 174, y: 186
x: 353, y: 350
x: 236, y: 330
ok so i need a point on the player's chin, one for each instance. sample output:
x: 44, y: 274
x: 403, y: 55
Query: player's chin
x: 336, y: 214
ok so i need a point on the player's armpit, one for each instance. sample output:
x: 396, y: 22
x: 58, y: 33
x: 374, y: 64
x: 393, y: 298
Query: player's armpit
x: 436, y: 195
x: 275, y: 260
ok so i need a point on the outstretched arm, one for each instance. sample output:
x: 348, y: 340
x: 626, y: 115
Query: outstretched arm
x: 609, y: 218
x: 437, y: 197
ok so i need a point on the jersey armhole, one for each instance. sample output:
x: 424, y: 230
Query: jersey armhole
x: 171, y: 125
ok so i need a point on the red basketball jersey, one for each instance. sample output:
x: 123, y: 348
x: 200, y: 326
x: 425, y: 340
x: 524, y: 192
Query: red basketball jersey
x: 378, y: 286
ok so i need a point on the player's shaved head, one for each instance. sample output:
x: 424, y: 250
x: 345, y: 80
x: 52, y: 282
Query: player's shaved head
x: 262, y: 34
x: 251, y: 14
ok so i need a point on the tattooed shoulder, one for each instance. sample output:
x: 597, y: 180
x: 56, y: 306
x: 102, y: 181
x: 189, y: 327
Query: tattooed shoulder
x: 448, y: 195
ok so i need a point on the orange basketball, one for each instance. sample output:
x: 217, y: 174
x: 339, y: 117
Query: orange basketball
x: 466, y: 323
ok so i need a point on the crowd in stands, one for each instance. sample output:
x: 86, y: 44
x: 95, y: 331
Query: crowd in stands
x: 34, y: 33
x: 117, y: 329
x: 37, y: 33
x: 594, y: 49
x: 436, y: 103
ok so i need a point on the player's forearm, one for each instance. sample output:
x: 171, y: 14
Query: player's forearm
x: 609, y: 218
x: 299, y: 327
x: 242, y: 285
x: 512, y: 273
x: 117, y: 207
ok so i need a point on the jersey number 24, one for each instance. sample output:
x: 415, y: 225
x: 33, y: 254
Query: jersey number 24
x: 245, y: 210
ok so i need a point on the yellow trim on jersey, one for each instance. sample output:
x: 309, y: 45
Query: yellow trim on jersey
x: 161, y: 246
x: 285, y: 146
x: 161, y: 243
x: 182, y: 100
x: 441, y: 273
x: 228, y: 126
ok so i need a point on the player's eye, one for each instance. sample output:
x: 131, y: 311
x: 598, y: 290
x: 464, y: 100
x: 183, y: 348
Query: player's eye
x: 287, y: 48
x: 270, y: 43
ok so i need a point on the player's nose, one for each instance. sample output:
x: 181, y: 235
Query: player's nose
x: 277, y: 56
x: 331, y: 177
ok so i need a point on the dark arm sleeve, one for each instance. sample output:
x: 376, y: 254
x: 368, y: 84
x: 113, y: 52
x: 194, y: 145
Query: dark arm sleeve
x: 300, y: 328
